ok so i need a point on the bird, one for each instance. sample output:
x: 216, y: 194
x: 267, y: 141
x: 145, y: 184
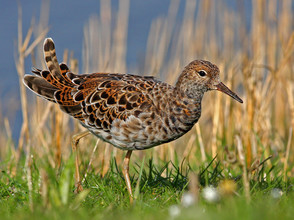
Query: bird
x: 130, y: 112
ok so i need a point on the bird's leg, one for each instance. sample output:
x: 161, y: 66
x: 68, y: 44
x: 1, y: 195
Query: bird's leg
x: 126, y: 173
x: 75, y: 140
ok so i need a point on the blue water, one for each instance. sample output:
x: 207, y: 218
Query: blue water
x: 66, y: 21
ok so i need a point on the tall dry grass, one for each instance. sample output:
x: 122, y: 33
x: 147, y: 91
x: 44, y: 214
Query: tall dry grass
x: 257, y: 62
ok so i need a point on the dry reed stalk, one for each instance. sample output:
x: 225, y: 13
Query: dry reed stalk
x: 20, y: 70
x: 194, y: 185
x: 106, y: 159
x: 215, y: 125
x: 273, y: 38
x: 58, y: 135
x: 285, y: 21
x: 281, y: 73
x: 201, y: 145
x: 121, y: 154
x: 40, y: 26
x: 29, y: 176
x: 105, y: 24
x: 119, y: 47
x: 286, y: 159
x: 46, y: 150
x: 229, y: 117
x: 65, y: 57
x: 40, y: 134
x: 212, y: 46
x: 171, y: 152
x: 186, y: 34
x: 254, y: 146
x: 290, y: 92
x: 200, y: 30
x: 159, y: 40
x: 151, y: 65
x: 66, y: 124
x: 91, y: 160
x: 24, y: 49
x: 162, y: 152
x: 189, y: 147
x: 9, y: 134
x: 243, y: 163
x: 288, y: 49
x: 103, y: 44
x: 41, y: 122
x: 44, y: 187
x: 249, y: 114
x: 258, y: 50
x: 10, y: 145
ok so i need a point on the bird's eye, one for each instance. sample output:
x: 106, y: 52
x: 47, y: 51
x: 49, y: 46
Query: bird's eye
x: 202, y: 73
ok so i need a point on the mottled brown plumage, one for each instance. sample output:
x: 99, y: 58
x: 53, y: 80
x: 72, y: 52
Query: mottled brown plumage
x: 131, y: 112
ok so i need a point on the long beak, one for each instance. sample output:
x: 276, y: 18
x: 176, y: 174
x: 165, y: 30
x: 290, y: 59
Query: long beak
x: 221, y: 87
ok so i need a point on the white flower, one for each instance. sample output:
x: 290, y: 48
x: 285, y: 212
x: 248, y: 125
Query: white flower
x: 188, y: 199
x: 210, y: 194
x: 174, y: 211
x: 276, y: 193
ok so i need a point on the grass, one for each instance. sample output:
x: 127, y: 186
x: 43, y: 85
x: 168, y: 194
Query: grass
x: 237, y: 163
x: 161, y: 191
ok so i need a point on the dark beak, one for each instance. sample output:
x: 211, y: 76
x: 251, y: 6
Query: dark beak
x: 221, y: 87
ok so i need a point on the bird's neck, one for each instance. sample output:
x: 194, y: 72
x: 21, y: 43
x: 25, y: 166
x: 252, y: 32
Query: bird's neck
x: 182, y: 111
x: 191, y: 104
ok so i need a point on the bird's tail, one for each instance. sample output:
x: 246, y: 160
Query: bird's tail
x: 54, y: 84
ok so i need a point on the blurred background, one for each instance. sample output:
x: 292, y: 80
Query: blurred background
x: 252, y: 42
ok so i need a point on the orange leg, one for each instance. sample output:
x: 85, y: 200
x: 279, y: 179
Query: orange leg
x: 126, y: 174
x: 75, y: 140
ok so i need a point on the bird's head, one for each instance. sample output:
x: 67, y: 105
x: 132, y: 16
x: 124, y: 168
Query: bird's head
x: 200, y: 76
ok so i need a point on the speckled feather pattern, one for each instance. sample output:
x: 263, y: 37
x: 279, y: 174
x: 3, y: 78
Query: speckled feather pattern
x: 129, y: 111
